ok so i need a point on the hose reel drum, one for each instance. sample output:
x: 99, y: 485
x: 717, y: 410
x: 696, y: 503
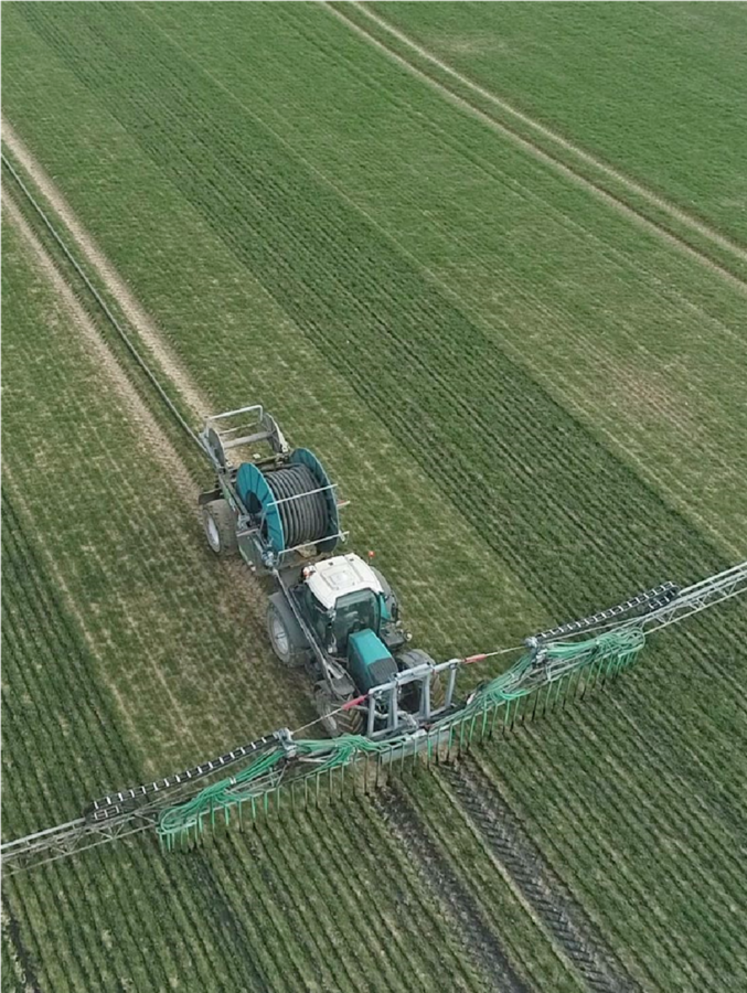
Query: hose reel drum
x: 292, y: 505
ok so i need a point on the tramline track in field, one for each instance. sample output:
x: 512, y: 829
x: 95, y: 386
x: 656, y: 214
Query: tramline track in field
x: 514, y: 850
x: 447, y: 887
x: 667, y: 220
x: 101, y: 302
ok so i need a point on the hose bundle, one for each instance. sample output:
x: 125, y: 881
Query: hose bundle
x: 305, y: 519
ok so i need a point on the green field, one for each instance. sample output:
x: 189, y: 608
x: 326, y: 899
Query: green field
x: 528, y: 374
x: 654, y: 92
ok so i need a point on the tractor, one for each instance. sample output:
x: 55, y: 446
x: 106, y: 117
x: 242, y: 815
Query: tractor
x: 333, y: 614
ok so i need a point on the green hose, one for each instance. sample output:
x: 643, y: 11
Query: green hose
x: 555, y: 664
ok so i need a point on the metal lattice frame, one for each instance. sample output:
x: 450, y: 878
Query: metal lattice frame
x: 700, y: 596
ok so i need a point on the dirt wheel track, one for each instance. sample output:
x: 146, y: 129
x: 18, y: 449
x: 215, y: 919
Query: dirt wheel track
x: 134, y: 312
x: 400, y: 818
x: 543, y: 891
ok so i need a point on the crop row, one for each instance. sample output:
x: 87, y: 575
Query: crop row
x: 562, y: 482
x: 563, y: 69
x: 517, y: 384
x: 646, y: 711
x: 704, y: 851
x: 466, y: 850
x: 315, y: 250
x: 449, y: 888
x: 564, y: 919
x: 37, y: 792
x: 608, y: 325
x: 670, y: 808
x: 348, y: 52
x: 132, y: 529
x: 519, y: 392
x: 431, y: 398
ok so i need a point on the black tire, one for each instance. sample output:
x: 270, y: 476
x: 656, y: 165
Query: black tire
x: 219, y: 522
x: 286, y: 637
x: 409, y: 660
x: 344, y: 722
x: 389, y: 594
x: 387, y: 589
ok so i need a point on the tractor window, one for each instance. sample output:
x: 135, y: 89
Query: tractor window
x: 316, y: 615
x: 355, y: 612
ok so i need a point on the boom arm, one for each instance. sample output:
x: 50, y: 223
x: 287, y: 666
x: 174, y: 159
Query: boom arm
x: 693, y: 599
x: 655, y: 609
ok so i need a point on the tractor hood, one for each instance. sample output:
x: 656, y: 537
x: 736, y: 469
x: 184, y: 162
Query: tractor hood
x: 370, y: 661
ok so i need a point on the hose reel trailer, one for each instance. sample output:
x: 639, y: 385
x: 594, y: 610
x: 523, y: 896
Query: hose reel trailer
x: 275, y: 509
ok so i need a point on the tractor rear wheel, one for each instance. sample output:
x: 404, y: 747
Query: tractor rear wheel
x: 286, y: 637
x: 336, y: 724
x: 219, y: 522
x: 410, y: 660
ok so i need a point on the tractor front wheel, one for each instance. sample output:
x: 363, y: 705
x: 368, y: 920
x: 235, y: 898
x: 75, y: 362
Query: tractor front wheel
x: 336, y: 724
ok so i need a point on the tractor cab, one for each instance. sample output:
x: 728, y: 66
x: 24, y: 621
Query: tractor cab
x: 354, y: 614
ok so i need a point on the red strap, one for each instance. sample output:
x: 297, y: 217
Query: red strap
x: 474, y: 658
x: 355, y: 702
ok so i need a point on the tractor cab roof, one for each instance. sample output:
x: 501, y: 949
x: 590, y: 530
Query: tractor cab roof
x: 340, y: 575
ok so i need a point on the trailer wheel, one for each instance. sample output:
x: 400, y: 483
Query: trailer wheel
x: 344, y: 722
x: 410, y: 660
x: 286, y: 637
x: 219, y: 522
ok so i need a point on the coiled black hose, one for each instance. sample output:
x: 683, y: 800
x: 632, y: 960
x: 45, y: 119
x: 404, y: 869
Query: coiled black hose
x: 305, y: 519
